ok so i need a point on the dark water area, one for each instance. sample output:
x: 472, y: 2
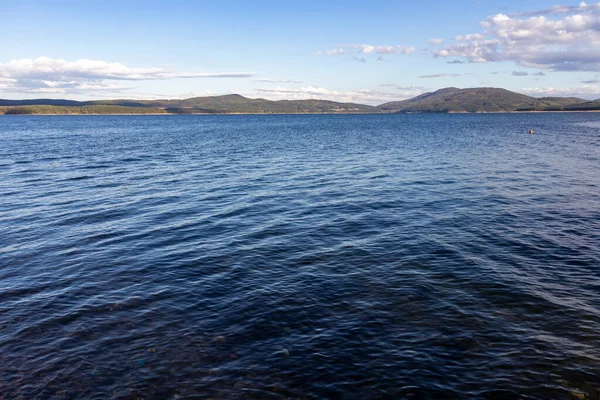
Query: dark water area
x: 302, y: 257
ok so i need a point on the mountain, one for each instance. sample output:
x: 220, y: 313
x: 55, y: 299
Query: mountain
x: 233, y: 103
x: 476, y: 100
x: 448, y: 100
x: 46, y: 102
x: 76, y: 110
x: 586, y: 106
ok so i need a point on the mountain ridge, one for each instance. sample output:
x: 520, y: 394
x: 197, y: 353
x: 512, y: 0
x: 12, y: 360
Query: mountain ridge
x: 445, y: 100
x: 472, y: 100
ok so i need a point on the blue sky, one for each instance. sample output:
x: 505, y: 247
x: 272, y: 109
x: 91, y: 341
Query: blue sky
x: 367, y: 52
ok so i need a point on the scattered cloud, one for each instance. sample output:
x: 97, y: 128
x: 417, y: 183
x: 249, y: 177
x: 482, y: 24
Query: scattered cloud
x: 455, y: 62
x: 58, y: 70
x: 586, y: 91
x: 411, y: 88
x: 380, y: 58
x: 359, y: 59
x: 558, y: 9
x: 277, y: 81
x: 569, y: 41
x: 154, y: 96
x: 366, y: 49
x: 363, y: 96
x: 46, y: 75
x: 331, y: 52
x: 592, y: 81
x: 539, y: 73
x: 45, y: 86
x: 468, y: 38
x: 435, y: 41
x: 520, y: 73
x: 432, y: 76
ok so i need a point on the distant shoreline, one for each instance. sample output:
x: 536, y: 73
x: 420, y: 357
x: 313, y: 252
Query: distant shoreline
x: 449, y: 100
x: 315, y: 113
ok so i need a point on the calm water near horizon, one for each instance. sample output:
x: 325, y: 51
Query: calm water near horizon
x: 300, y: 256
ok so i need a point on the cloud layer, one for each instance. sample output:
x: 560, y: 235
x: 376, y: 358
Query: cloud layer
x: 444, y: 75
x: 46, y: 75
x: 561, y: 38
x: 586, y: 91
x: 363, y: 96
x: 266, y: 80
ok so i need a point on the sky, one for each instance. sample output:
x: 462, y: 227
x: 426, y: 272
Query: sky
x: 341, y: 50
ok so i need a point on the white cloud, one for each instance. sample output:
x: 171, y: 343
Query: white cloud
x: 472, y: 36
x: 362, y: 96
x: 46, y: 75
x: 331, y: 52
x: 277, y: 81
x: 569, y: 41
x: 47, y: 86
x: 412, y: 89
x: 520, y: 73
x: 436, y: 41
x: 582, y: 7
x: 406, y: 91
x: 586, y: 91
x: 431, y: 76
x: 154, y: 96
x: 367, y: 49
x: 58, y: 69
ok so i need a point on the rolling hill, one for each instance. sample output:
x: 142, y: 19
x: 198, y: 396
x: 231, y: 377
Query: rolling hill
x: 477, y: 100
x: 448, y: 100
x: 232, y: 103
x: 78, y: 110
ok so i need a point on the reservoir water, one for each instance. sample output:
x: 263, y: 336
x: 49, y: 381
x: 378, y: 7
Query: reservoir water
x: 300, y: 257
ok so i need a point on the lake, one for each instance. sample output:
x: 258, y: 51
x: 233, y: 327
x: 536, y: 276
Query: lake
x: 300, y: 256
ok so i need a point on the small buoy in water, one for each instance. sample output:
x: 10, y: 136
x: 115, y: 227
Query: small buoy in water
x: 531, y: 131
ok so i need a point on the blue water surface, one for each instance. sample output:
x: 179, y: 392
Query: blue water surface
x: 300, y: 256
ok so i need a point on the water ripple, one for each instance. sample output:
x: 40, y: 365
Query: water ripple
x: 300, y: 257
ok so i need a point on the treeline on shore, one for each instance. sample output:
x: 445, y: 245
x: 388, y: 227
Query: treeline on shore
x: 68, y: 110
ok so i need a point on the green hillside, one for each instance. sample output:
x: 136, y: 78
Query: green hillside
x: 475, y: 100
x: 448, y: 100
x: 234, y: 103
x: 95, y: 109
x: 586, y: 106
